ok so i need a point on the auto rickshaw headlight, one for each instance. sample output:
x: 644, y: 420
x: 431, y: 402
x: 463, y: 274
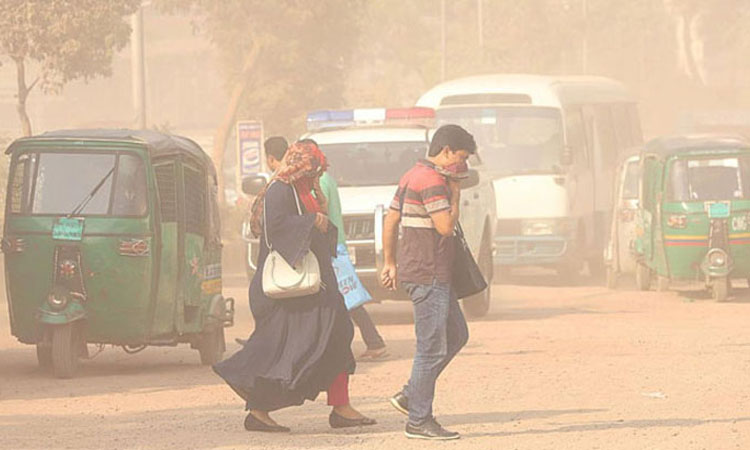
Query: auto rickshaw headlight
x: 57, y: 301
x: 717, y: 258
x: 677, y: 221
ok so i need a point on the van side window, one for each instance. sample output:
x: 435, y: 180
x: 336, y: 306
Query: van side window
x: 167, y: 187
x: 575, y: 134
x: 635, y: 124
x: 623, y: 127
x: 607, y: 150
x: 195, y: 200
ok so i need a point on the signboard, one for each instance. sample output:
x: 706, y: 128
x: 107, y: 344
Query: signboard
x: 249, y: 147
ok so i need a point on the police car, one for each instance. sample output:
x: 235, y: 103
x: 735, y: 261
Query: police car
x: 368, y: 150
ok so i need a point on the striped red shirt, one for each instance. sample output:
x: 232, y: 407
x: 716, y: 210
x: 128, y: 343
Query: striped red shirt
x: 424, y: 254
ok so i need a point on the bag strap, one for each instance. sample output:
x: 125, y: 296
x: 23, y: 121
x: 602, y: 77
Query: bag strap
x: 265, y: 222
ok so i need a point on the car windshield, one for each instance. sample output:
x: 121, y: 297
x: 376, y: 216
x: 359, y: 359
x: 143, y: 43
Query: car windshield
x: 85, y: 183
x: 630, y: 183
x: 512, y: 139
x: 372, y: 163
x: 709, y: 179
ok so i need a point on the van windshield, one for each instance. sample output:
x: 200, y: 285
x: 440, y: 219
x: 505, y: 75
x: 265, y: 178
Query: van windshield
x: 709, y: 179
x: 61, y: 183
x: 512, y: 139
x: 372, y: 163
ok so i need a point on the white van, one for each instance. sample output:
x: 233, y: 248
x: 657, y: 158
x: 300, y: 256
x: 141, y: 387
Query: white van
x: 552, y: 145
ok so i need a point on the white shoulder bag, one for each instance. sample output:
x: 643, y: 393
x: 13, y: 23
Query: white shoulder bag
x: 280, y: 279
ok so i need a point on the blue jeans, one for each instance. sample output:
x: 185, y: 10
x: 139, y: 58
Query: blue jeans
x: 441, y: 333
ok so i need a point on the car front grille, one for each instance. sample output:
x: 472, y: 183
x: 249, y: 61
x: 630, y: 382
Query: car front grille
x: 359, y: 227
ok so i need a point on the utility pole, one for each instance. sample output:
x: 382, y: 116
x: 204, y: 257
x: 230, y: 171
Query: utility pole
x: 585, y: 38
x: 442, y: 40
x: 480, y: 26
x: 138, y: 69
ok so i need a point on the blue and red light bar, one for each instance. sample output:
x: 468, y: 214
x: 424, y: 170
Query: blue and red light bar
x: 417, y: 116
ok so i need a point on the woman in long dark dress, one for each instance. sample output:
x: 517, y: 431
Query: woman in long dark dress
x: 300, y: 346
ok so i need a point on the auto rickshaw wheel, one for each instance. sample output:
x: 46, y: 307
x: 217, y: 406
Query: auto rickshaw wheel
x: 662, y: 284
x: 611, y: 279
x: 66, y: 348
x: 479, y: 305
x: 720, y: 289
x: 211, y: 346
x: 642, y: 277
x: 44, y: 355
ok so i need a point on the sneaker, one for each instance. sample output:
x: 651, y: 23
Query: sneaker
x: 431, y: 431
x: 401, y: 403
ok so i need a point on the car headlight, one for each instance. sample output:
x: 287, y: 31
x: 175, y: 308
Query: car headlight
x: 545, y: 227
x: 717, y: 258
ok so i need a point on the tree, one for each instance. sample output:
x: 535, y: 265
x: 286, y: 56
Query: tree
x: 61, y: 40
x: 280, y: 59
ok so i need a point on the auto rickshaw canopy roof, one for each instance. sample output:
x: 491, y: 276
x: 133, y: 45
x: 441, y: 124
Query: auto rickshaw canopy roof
x: 668, y: 146
x: 158, y: 144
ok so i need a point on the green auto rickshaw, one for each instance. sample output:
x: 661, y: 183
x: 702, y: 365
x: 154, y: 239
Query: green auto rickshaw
x: 112, y: 237
x: 694, y: 212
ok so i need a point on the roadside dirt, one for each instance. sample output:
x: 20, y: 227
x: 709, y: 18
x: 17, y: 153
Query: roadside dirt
x: 549, y: 367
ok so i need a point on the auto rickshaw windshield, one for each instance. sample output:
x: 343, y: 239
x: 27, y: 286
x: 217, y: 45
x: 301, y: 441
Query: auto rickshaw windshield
x: 81, y: 183
x: 705, y: 179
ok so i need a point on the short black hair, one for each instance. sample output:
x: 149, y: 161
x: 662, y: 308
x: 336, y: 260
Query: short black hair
x: 308, y: 141
x: 454, y: 137
x: 276, y: 146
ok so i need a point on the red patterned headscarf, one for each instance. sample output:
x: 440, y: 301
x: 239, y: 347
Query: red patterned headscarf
x: 302, y: 166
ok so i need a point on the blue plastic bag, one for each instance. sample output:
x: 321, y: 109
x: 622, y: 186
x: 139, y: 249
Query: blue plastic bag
x: 350, y: 286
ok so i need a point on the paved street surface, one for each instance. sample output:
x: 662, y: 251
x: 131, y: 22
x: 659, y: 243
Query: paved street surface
x: 550, y: 367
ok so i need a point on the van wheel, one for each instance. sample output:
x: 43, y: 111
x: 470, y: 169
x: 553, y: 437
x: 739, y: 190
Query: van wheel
x: 611, y: 278
x: 720, y: 289
x: 479, y: 305
x: 642, y: 277
x: 212, y: 346
x: 65, y: 349
x: 568, y: 273
x: 596, y: 268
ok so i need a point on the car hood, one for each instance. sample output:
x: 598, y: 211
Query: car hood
x: 364, y: 199
x: 530, y: 197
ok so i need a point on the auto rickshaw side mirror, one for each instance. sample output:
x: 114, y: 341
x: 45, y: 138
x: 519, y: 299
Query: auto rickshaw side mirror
x: 471, y: 180
x: 254, y: 184
x: 566, y: 158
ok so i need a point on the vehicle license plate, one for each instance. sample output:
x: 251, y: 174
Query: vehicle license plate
x: 68, y: 229
x: 718, y: 210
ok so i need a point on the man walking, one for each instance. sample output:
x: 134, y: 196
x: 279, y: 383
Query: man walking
x: 426, y: 206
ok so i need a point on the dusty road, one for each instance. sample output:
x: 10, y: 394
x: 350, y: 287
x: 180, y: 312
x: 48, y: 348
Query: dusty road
x: 549, y: 368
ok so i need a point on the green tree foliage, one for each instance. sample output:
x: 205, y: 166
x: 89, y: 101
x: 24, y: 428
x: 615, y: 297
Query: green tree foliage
x: 61, y: 40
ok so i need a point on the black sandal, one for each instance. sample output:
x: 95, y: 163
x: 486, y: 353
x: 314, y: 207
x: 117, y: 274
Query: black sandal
x: 338, y: 421
x: 252, y: 423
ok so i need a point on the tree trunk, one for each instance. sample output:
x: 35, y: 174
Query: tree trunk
x: 23, y: 94
x: 688, y: 41
x: 225, y: 127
